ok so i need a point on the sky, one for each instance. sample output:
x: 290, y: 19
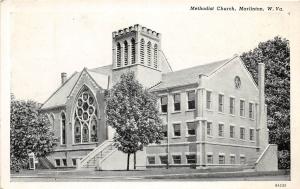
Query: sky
x: 47, y: 39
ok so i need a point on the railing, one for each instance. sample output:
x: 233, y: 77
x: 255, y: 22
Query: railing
x: 94, y: 152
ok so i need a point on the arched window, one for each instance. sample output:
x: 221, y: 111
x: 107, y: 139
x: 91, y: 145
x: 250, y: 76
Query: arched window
x: 51, y: 120
x: 142, y: 51
x: 149, y: 53
x: 63, y: 128
x: 118, y: 55
x: 155, y: 56
x: 126, y: 53
x: 132, y: 51
x: 85, y: 117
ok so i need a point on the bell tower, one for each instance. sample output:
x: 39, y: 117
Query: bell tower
x: 137, y: 49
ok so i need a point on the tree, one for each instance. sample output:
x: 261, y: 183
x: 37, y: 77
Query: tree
x: 275, y: 54
x: 29, y: 132
x: 132, y: 112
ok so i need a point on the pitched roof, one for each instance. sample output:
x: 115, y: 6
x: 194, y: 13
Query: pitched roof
x: 59, y: 97
x: 186, y: 76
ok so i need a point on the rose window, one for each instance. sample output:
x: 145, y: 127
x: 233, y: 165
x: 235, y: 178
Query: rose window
x: 85, y: 125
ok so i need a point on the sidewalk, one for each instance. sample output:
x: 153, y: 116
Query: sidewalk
x: 158, y: 174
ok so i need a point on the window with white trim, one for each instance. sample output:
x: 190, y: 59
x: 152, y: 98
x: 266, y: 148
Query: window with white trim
x: 57, y: 162
x: 221, y: 103
x: 221, y: 129
x: 232, y: 159
x: 231, y: 105
x: 176, y: 98
x: 164, y: 104
x: 191, y: 158
x: 151, y: 160
x: 64, y: 162
x: 191, y: 100
x: 242, y: 160
x: 209, y: 159
x: 177, y: 159
x: 209, y: 128
x: 221, y: 159
x: 242, y: 108
x: 251, y: 107
x: 208, y: 100
x: 74, y: 162
x: 242, y: 133
x: 176, y: 129
x: 251, y: 134
x: 232, y: 133
x: 191, y: 128
x: 163, y: 159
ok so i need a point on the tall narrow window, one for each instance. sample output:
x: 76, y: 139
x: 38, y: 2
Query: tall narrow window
x: 164, y: 104
x: 176, y: 102
x: 149, y: 53
x: 242, y: 108
x: 209, y: 128
x: 176, y: 128
x: 126, y: 56
x: 221, y: 159
x: 132, y: 51
x: 177, y: 159
x: 155, y: 56
x: 231, y: 105
x: 52, y: 121
x: 165, y: 130
x: 118, y: 55
x: 232, y: 159
x: 208, y: 100
x: 232, y: 131
x: 191, y: 100
x: 85, y: 118
x: 251, y: 115
x: 221, y: 129
x: 163, y: 159
x: 63, y: 128
x: 251, y: 134
x: 142, y: 50
x: 191, y: 159
x: 242, y: 133
x: 209, y: 159
x: 221, y: 103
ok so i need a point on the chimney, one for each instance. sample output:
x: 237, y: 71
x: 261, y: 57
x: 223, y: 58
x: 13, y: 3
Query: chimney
x: 63, y: 77
x: 262, y: 121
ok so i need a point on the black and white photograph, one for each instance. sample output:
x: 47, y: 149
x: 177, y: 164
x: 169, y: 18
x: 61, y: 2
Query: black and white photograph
x: 194, y: 94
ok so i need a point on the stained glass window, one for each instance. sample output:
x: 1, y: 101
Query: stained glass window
x: 85, y: 124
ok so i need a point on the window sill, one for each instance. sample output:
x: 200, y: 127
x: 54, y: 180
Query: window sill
x: 209, y: 110
x: 190, y: 110
x: 232, y: 115
x: 163, y: 113
x: 242, y: 140
x: 252, y: 119
x: 243, y: 117
x: 187, y: 136
x: 209, y: 136
x: 176, y: 137
x: 176, y: 112
x: 88, y: 143
x: 223, y: 113
x: 222, y: 137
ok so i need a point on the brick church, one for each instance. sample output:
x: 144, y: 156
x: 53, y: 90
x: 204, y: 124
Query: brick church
x: 214, y: 115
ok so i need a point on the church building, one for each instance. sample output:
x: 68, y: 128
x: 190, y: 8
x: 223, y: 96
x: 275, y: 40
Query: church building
x: 214, y: 115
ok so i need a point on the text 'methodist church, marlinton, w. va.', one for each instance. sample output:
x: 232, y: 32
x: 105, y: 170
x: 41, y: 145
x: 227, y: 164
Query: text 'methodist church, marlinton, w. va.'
x: 214, y: 115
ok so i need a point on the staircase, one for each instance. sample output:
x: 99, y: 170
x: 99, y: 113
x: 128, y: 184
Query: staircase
x: 250, y: 164
x: 97, y: 155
